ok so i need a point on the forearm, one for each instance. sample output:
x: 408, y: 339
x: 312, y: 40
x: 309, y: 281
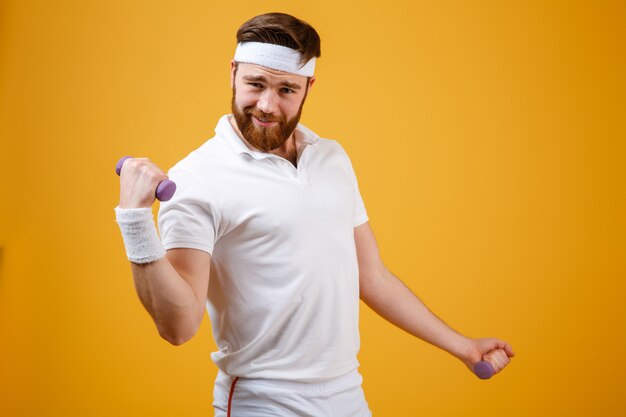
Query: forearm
x: 169, y: 300
x: 391, y: 299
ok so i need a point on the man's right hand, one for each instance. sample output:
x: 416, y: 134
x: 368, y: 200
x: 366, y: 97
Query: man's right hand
x: 139, y: 179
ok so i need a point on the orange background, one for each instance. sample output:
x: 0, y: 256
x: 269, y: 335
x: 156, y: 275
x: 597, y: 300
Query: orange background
x: 489, y: 139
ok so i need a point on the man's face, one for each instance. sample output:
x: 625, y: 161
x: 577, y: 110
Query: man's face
x: 267, y: 103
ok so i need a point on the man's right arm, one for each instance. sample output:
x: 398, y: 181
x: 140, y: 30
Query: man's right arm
x: 173, y: 290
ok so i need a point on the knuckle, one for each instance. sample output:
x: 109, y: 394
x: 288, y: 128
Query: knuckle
x: 146, y: 169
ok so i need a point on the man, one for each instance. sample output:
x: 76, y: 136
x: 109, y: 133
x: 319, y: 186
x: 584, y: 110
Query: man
x: 268, y: 231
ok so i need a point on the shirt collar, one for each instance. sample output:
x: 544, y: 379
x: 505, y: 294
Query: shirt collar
x: 226, y: 131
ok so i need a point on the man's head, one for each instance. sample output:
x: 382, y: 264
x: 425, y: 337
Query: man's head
x: 271, y: 75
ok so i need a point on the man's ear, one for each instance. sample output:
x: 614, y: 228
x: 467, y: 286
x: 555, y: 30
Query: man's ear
x: 311, y: 82
x: 233, y: 68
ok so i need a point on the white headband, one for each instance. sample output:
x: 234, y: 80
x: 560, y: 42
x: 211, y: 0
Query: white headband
x: 274, y: 56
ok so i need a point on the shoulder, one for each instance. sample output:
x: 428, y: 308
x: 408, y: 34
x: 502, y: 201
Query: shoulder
x: 333, y: 150
x: 210, y: 149
x: 327, y: 145
x: 330, y: 146
x: 201, y: 161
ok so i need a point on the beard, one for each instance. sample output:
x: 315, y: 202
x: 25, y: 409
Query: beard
x: 264, y: 138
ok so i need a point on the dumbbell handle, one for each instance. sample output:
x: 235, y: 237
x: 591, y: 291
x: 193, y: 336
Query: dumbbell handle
x: 164, y: 191
x: 483, y: 370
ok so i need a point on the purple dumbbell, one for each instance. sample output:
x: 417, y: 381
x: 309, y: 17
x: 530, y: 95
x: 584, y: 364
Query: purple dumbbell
x: 483, y: 370
x: 165, y: 190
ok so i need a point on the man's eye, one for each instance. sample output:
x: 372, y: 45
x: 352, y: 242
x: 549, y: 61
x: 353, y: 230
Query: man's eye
x: 287, y: 90
x: 256, y: 85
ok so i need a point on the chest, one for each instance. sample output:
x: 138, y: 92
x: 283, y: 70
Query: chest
x: 272, y: 198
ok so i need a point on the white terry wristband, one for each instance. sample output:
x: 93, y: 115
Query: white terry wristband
x: 141, y: 240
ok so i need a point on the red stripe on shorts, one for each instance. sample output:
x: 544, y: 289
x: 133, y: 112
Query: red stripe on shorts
x: 230, y: 395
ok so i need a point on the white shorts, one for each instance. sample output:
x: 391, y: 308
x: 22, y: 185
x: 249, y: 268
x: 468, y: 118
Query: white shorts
x: 242, y: 397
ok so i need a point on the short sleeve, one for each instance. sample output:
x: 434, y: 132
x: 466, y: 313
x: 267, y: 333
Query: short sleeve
x: 190, y: 218
x: 359, y: 216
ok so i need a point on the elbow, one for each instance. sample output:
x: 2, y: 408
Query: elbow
x: 179, y: 330
x: 178, y: 336
x: 175, y: 338
x: 371, y: 285
x: 177, y: 342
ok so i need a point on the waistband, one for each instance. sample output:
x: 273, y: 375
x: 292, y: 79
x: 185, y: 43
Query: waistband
x: 350, y: 380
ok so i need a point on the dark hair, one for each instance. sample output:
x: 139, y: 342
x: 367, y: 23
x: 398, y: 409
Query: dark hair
x: 284, y: 30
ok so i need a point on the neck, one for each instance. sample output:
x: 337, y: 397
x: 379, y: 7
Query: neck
x: 288, y: 150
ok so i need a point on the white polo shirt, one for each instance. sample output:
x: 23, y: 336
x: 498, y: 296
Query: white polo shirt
x: 284, y: 286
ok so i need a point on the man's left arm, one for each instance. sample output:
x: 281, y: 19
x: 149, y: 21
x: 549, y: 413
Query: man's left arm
x: 389, y: 297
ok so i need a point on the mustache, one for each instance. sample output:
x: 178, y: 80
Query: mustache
x: 253, y: 111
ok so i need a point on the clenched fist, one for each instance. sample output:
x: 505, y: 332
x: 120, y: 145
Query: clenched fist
x: 141, y: 181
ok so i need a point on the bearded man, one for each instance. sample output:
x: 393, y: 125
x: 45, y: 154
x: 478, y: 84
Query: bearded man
x: 268, y: 232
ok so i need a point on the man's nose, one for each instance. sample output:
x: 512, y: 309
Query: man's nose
x: 268, y: 102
